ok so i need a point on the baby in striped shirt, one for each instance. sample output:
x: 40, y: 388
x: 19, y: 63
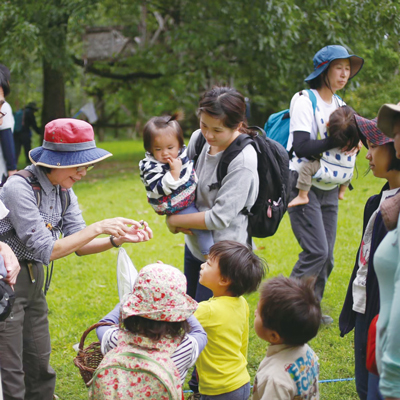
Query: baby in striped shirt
x: 168, y: 174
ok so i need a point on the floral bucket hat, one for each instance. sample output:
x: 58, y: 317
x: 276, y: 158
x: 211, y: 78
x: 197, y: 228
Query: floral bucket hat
x: 159, y: 294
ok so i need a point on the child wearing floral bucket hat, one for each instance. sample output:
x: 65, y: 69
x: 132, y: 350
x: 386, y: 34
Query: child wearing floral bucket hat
x: 42, y: 207
x: 362, y: 302
x: 334, y: 66
x: 155, y: 319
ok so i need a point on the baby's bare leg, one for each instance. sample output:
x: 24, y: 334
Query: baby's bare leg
x: 342, y: 190
x: 301, y: 198
x: 304, y: 182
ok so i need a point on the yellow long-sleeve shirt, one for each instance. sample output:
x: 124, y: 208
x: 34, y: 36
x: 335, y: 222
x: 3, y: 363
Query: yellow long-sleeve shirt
x: 222, y: 364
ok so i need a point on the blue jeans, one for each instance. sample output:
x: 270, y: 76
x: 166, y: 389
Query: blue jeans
x: 192, y: 271
x: 367, y: 384
x: 242, y: 393
x: 203, y: 236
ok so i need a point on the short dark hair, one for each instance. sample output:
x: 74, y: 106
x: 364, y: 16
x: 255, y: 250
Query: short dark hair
x: 290, y: 307
x: 45, y: 170
x: 240, y: 265
x: 343, y: 127
x: 226, y: 104
x: 4, y: 84
x: 155, y: 330
x: 395, y: 162
x: 155, y: 124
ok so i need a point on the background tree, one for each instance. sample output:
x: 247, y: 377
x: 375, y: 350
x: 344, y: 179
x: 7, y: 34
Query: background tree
x: 181, y: 48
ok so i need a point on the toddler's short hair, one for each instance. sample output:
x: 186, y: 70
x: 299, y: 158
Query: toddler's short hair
x: 155, y: 124
x: 290, y: 307
x: 240, y: 265
x: 343, y: 127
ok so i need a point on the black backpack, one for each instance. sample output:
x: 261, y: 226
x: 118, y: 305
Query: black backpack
x: 273, y: 171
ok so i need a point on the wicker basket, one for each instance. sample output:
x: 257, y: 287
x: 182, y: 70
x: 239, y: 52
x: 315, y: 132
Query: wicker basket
x: 89, y: 358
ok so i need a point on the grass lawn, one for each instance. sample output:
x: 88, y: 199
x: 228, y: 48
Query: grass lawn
x: 84, y: 289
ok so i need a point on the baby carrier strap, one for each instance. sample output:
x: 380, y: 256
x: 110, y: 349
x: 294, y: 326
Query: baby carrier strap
x: 141, y: 369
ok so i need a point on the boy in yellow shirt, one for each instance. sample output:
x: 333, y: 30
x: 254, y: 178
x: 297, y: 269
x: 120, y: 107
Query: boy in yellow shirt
x: 231, y: 270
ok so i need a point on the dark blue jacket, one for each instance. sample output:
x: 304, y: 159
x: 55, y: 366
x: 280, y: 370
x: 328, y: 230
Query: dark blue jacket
x: 347, y: 316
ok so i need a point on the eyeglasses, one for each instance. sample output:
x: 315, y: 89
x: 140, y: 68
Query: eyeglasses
x: 2, y: 115
x: 84, y: 167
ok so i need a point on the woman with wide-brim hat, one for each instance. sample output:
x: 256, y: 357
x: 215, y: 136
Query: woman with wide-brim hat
x: 42, y: 205
x: 314, y: 224
x: 363, y: 298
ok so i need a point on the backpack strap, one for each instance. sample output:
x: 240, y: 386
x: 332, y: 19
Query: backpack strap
x: 198, y: 147
x: 232, y: 151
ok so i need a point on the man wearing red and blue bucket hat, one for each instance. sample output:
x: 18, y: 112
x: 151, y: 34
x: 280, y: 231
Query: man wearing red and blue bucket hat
x: 314, y: 224
x: 42, y: 205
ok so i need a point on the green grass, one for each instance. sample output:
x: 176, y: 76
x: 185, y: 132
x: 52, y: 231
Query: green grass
x: 84, y: 289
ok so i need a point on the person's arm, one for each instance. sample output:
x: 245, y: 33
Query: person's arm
x: 197, y: 332
x: 389, y: 383
x: 7, y: 146
x: 135, y: 234
x: 303, y: 146
x: 84, y: 242
x: 11, y: 263
x: 112, y: 317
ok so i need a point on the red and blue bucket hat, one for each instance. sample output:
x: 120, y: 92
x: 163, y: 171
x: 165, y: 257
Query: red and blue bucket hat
x: 67, y: 143
x: 369, y: 129
x: 327, y: 54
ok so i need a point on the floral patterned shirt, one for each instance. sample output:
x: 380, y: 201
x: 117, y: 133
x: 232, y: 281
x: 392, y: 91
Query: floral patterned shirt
x: 114, y: 380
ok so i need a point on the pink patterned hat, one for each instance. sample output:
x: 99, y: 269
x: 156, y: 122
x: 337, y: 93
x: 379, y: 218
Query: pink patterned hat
x: 159, y: 294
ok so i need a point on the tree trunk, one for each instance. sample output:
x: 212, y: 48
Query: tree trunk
x: 53, y: 93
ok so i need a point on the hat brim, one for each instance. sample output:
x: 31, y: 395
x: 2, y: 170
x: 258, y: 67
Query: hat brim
x: 182, y: 310
x: 386, y: 116
x: 67, y: 159
x: 356, y: 64
x: 370, y: 131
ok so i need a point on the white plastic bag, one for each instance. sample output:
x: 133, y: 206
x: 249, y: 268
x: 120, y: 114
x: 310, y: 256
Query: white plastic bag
x: 126, y: 274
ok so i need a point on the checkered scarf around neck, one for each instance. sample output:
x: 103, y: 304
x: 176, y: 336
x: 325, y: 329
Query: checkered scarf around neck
x: 159, y: 294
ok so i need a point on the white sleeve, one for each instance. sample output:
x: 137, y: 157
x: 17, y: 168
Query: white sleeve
x: 302, y: 116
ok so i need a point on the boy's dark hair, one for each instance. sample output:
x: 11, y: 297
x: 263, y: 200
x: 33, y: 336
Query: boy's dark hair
x: 240, y: 265
x: 289, y: 307
x: 343, y: 127
x: 155, y: 124
x: 155, y: 330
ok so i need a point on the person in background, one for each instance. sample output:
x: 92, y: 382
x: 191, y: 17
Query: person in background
x: 387, y: 267
x: 362, y: 301
x: 315, y: 223
x: 25, y: 122
x: 7, y: 126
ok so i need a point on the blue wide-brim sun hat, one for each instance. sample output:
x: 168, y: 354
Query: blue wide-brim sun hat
x: 327, y: 54
x: 68, y: 143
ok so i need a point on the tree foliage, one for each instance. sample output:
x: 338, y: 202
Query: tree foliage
x: 262, y: 47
